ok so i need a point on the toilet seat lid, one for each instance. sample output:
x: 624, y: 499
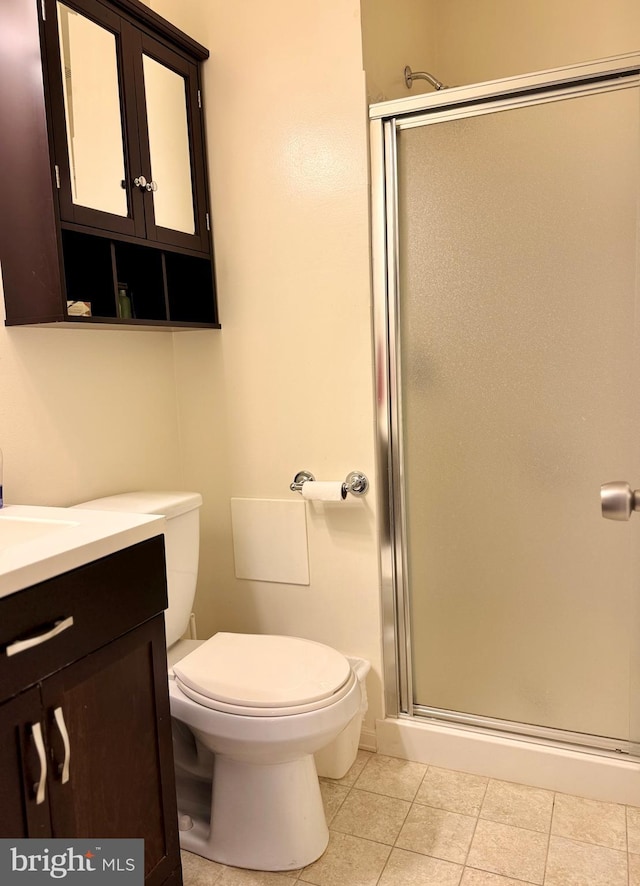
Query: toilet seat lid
x: 263, y: 670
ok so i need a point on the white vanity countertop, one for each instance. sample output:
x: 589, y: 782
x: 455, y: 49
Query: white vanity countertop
x: 37, y: 543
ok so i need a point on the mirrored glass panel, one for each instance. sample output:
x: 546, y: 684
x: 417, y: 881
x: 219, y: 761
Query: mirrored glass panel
x: 92, y: 110
x: 166, y: 99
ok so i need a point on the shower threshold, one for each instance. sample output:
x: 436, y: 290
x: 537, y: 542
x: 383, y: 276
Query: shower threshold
x: 546, y: 760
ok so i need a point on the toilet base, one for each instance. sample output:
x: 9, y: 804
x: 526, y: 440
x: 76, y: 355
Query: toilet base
x: 266, y: 817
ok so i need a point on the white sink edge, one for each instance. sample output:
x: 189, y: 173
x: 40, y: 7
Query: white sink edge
x: 91, y: 535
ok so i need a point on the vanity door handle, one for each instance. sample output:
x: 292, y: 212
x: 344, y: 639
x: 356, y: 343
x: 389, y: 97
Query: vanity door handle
x: 38, y: 740
x: 63, y: 768
x: 30, y: 642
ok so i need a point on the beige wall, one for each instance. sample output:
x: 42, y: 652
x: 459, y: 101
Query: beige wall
x: 499, y: 38
x: 470, y: 41
x: 86, y: 412
x: 394, y: 35
x: 287, y: 383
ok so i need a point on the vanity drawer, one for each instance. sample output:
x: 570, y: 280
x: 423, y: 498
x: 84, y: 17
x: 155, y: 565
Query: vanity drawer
x: 75, y: 613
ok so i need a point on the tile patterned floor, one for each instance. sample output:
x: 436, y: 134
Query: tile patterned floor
x: 397, y: 823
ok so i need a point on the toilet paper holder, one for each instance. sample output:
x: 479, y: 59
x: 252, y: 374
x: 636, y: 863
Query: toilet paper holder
x: 356, y: 482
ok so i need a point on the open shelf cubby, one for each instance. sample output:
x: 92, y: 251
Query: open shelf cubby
x: 165, y: 286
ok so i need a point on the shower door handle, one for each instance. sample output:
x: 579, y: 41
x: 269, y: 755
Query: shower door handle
x: 619, y: 500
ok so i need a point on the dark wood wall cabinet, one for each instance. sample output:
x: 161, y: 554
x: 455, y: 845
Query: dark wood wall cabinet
x: 104, y: 212
x: 85, y: 734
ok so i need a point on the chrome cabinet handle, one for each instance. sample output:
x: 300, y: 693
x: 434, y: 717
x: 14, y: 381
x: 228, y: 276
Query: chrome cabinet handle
x: 38, y: 639
x: 63, y: 768
x: 40, y: 785
x: 619, y: 500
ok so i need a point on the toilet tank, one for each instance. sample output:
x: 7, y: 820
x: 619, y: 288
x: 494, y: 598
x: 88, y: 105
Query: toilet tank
x: 182, y: 538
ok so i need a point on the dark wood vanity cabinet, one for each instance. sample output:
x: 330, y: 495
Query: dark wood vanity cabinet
x: 85, y: 734
x: 103, y: 182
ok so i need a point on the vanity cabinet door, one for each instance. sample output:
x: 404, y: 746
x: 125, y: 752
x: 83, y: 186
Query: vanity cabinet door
x: 24, y: 807
x: 111, y: 772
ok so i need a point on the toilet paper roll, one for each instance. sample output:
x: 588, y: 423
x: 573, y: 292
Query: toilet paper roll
x: 313, y: 490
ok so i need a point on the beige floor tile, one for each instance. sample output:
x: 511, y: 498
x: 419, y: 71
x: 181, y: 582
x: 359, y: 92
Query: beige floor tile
x: 473, y: 877
x: 392, y: 777
x: 409, y: 869
x: 591, y: 821
x: 571, y: 863
x: 454, y: 791
x: 371, y: 816
x: 518, y: 805
x: 198, y: 871
x: 499, y: 829
x: 633, y: 829
x: 241, y: 877
x: 333, y: 796
x: 362, y: 758
x: 437, y: 832
x: 514, y: 852
x: 347, y: 861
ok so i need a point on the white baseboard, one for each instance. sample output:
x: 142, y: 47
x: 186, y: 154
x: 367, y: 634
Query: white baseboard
x: 599, y: 776
x: 368, y: 740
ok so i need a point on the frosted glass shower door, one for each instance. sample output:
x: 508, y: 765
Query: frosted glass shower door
x: 518, y: 365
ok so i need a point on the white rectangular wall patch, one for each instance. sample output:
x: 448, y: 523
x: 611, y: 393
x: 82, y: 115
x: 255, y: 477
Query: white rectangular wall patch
x: 270, y: 540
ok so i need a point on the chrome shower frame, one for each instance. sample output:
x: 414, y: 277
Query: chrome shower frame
x: 386, y: 119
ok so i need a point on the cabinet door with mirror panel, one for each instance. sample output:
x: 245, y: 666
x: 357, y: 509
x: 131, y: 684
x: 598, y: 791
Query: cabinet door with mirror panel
x: 169, y: 104
x: 126, y: 127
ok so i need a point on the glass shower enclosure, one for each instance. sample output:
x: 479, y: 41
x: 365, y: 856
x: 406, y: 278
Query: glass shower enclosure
x: 505, y: 226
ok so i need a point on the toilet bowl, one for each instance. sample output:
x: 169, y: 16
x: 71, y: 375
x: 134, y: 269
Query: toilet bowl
x: 248, y: 713
x: 266, y: 810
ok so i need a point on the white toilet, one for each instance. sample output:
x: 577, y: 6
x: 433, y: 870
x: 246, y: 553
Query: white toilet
x: 249, y: 712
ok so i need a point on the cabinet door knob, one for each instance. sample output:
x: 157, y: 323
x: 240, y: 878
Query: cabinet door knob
x: 144, y: 185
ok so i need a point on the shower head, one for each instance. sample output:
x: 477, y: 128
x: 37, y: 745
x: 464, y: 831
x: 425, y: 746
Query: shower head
x: 410, y: 76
